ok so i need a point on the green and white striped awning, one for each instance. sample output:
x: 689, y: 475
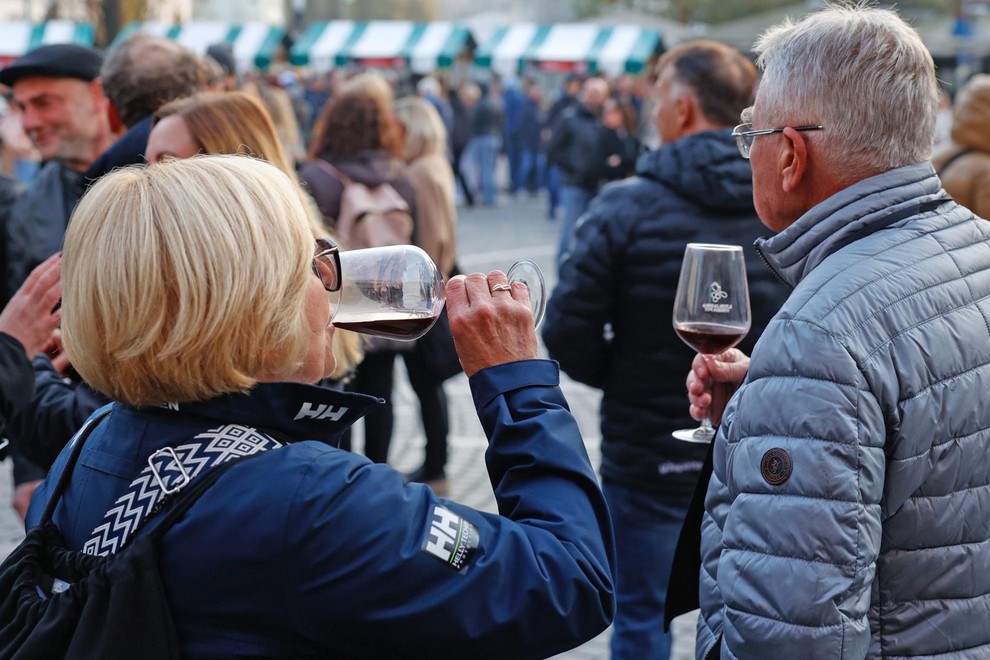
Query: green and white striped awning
x: 423, y: 47
x: 20, y: 37
x: 254, y: 44
x: 582, y: 47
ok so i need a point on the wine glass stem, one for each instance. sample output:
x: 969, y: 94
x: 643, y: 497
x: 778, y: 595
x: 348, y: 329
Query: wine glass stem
x: 706, y: 425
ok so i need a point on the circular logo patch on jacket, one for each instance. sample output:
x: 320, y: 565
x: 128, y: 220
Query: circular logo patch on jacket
x: 776, y: 466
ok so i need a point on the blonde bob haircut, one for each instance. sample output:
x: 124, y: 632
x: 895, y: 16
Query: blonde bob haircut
x: 186, y: 280
x: 424, y: 132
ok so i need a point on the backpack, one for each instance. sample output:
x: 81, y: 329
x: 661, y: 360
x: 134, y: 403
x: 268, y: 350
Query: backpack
x: 369, y: 217
x: 60, y: 603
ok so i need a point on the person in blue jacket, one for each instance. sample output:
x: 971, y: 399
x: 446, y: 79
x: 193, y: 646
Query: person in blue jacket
x: 192, y: 297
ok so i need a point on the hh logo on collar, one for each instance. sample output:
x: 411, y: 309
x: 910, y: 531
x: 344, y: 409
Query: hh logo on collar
x: 320, y: 411
x: 776, y: 466
x: 450, y: 538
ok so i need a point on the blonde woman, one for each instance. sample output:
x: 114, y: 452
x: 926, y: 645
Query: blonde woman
x: 193, y: 297
x: 236, y: 123
x: 424, y: 151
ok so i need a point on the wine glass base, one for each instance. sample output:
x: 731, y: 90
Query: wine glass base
x: 529, y: 273
x: 700, y: 436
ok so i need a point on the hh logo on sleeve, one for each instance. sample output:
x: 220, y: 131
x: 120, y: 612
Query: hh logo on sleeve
x: 450, y: 538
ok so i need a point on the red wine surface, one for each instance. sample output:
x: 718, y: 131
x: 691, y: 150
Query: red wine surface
x: 393, y: 326
x: 709, y: 338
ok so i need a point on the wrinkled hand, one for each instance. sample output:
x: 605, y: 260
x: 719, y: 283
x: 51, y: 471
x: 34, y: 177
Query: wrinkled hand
x: 489, y: 327
x: 724, y: 372
x: 28, y: 317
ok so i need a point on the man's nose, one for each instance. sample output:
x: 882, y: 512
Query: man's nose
x: 30, y: 119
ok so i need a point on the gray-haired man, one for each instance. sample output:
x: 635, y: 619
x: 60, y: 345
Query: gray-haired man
x: 848, y: 515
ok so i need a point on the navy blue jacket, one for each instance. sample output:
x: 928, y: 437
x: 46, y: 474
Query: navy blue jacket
x: 312, y: 551
x: 57, y: 409
x: 621, y: 271
x: 16, y: 379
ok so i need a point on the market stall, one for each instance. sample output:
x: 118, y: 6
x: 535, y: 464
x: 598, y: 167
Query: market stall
x: 578, y: 47
x: 420, y: 47
x: 254, y: 44
x: 19, y: 37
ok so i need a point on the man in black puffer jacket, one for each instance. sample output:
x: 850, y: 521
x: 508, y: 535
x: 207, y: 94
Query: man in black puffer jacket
x: 609, y: 320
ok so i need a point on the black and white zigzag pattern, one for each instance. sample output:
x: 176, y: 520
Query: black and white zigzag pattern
x: 205, y: 451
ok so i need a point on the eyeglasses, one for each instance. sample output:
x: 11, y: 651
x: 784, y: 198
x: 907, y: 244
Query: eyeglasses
x: 745, y: 135
x: 326, y: 264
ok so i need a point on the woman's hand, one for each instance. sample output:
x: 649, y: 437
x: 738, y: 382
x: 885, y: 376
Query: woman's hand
x: 725, y: 372
x: 491, y: 323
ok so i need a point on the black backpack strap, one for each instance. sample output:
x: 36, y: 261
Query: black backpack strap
x: 77, y: 443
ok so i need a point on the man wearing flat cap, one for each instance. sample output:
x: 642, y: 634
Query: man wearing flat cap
x: 58, y: 90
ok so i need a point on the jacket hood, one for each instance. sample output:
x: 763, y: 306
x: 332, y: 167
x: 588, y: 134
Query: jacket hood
x: 971, y: 115
x: 705, y: 168
x: 372, y: 168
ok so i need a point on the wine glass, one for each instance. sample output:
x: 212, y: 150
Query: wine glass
x: 529, y: 274
x: 398, y: 292
x: 711, y: 309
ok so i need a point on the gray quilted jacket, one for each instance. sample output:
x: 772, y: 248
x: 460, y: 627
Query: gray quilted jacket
x: 848, y: 515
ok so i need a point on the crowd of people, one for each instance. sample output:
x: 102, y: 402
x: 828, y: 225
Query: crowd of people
x: 840, y: 510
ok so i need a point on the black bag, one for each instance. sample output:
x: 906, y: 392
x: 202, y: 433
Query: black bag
x: 434, y: 352
x: 60, y: 603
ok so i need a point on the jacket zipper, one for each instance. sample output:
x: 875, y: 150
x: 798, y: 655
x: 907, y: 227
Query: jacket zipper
x: 766, y: 262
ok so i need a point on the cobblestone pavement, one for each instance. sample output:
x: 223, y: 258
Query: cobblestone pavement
x: 488, y: 238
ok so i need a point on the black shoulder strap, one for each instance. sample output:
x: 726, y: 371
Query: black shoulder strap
x: 953, y: 158
x: 77, y: 444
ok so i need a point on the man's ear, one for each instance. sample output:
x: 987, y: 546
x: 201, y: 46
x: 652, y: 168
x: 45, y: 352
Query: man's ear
x: 793, y: 159
x: 116, y: 125
x: 686, y: 111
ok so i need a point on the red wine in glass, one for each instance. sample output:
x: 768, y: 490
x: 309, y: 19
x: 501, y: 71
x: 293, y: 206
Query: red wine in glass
x: 709, y: 338
x: 402, y: 326
x: 711, y: 309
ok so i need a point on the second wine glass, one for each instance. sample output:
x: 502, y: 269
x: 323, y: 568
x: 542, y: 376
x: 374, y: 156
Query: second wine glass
x: 711, y: 309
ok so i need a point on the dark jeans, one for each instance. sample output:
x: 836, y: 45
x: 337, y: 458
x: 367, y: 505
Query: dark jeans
x: 433, y: 413
x: 646, y: 529
x: 374, y: 376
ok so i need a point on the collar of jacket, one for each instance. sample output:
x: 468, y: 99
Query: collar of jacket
x: 849, y: 215
x: 287, y: 411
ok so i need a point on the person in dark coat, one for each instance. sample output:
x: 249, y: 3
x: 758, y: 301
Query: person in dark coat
x: 140, y: 75
x: 608, y: 321
x: 575, y: 148
x: 620, y: 147
x: 58, y: 91
x: 567, y: 98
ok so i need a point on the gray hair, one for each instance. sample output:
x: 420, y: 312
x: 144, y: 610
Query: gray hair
x: 144, y: 72
x: 862, y: 73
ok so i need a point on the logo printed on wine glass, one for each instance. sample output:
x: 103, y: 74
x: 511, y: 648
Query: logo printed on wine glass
x: 715, y: 294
